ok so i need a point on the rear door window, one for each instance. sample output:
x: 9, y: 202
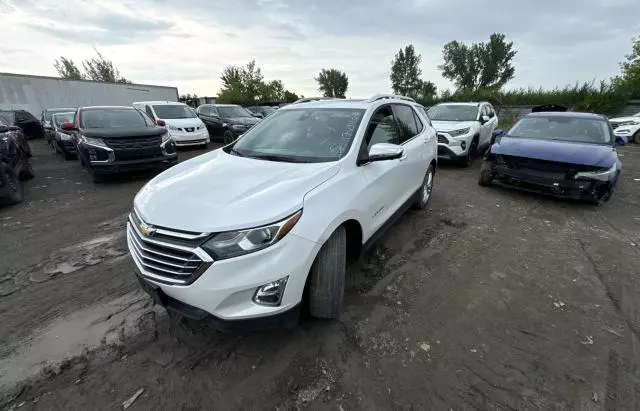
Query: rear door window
x: 381, y: 128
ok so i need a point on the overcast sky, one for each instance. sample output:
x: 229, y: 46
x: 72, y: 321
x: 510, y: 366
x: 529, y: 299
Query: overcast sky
x: 187, y: 43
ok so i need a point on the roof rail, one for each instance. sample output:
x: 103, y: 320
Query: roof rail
x: 389, y: 96
x: 308, y: 99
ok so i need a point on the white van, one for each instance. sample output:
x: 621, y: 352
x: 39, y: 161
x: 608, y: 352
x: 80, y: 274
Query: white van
x: 183, y: 124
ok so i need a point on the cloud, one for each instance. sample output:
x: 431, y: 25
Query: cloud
x: 187, y: 44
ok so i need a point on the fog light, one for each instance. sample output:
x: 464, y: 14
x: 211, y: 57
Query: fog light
x: 271, y: 293
x: 463, y: 145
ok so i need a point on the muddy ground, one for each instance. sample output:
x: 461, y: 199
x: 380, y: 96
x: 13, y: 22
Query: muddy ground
x: 489, y: 299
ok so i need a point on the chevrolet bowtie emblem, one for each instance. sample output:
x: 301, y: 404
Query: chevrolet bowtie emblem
x: 146, y: 229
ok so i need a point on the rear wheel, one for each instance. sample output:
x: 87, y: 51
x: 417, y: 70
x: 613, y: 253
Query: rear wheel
x: 326, y: 285
x: 228, y: 137
x: 471, y: 154
x: 12, y: 182
x: 424, y: 194
x: 486, y: 173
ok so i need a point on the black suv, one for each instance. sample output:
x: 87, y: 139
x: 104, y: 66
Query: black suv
x: 261, y: 111
x: 14, y: 163
x: 31, y: 126
x: 113, y: 140
x: 226, y: 121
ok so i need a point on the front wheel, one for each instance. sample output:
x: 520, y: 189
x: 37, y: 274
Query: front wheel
x: 486, y: 173
x: 228, y: 137
x: 635, y: 138
x: 424, y: 194
x: 326, y: 285
x: 471, y: 154
x: 10, y: 180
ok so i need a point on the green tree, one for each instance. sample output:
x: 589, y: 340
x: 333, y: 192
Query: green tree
x: 245, y: 85
x: 101, y: 69
x: 628, y: 82
x: 67, y: 69
x: 427, y: 91
x: 290, y: 97
x: 332, y: 83
x: 406, y: 72
x: 479, y: 65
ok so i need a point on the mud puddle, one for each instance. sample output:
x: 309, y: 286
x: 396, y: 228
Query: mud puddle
x: 65, y: 338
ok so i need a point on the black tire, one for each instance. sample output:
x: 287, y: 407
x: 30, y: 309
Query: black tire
x: 471, y: 154
x: 16, y: 191
x: 227, y: 137
x: 424, y: 193
x: 26, y: 173
x: 635, y: 138
x: 326, y: 285
x: 486, y: 173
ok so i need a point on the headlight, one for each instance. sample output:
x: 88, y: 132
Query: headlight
x: 605, y: 175
x: 225, y: 124
x: 166, y: 137
x: 63, y: 136
x: 93, y: 141
x: 456, y: 133
x: 629, y: 123
x: 235, y: 243
x: 238, y: 126
x: 170, y: 127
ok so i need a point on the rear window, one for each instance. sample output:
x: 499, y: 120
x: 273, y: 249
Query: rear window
x: 171, y: 111
x: 113, y: 118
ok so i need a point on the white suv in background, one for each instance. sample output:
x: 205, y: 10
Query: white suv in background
x: 183, y: 124
x: 627, y: 127
x: 463, y: 129
x: 238, y: 235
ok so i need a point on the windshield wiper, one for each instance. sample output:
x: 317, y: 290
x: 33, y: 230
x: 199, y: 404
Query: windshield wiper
x: 280, y: 157
x: 236, y: 152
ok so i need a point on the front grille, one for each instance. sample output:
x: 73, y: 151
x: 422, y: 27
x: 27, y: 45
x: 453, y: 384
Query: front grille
x: 135, y: 148
x: 545, y: 168
x: 169, y: 256
x: 442, y: 139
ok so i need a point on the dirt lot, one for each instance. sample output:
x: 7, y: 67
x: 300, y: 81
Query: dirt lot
x: 490, y: 299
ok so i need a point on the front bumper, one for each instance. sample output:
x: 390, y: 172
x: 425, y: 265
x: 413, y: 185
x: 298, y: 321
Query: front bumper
x: 105, y: 160
x: 66, y: 146
x: 582, y: 189
x: 225, y: 290
x: 185, y: 139
x: 453, y: 148
x: 446, y: 152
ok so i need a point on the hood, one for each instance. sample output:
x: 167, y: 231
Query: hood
x: 183, y: 122
x: 452, y: 125
x: 563, y: 152
x: 125, y: 132
x: 623, y: 119
x: 249, y: 121
x: 219, y: 192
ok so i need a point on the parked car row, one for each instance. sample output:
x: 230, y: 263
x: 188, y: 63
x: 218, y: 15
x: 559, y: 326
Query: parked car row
x: 317, y: 182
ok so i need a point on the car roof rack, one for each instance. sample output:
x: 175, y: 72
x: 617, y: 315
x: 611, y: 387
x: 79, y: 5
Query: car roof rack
x: 308, y: 99
x: 389, y: 96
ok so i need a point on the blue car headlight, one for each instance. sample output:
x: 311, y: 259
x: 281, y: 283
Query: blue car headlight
x: 604, y: 175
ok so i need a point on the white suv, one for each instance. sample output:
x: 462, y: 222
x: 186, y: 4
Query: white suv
x: 627, y: 127
x: 238, y: 235
x: 463, y: 129
x: 182, y: 123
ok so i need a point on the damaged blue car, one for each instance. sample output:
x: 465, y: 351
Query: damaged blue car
x: 564, y: 154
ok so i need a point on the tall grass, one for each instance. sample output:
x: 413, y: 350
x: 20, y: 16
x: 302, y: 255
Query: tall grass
x: 603, y: 97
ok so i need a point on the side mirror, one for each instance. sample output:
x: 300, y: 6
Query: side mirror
x: 383, y: 152
x: 620, y: 141
x: 67, y: 126
x: 484, y: 119
x: 496, y: 133
x: 161, y: 123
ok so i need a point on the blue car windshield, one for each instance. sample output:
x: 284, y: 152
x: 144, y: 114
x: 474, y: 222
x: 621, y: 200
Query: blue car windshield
x: 571, y: 129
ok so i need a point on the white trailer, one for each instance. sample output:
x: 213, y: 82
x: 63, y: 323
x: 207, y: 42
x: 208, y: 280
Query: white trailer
x: 35, y: 93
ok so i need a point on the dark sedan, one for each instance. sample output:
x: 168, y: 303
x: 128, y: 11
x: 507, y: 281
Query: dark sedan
x: 565, y: 154
x: 15, y: 165
x: 113, y: 140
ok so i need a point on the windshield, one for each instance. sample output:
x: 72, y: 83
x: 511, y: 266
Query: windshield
x: 49, y: 113
x: 579, y: 130
x: 60, y: 118
x: 113, y: 118
x: 453, y: 112
x: 302, y: 135
x: 167, y: 111
x: 233, y: 111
